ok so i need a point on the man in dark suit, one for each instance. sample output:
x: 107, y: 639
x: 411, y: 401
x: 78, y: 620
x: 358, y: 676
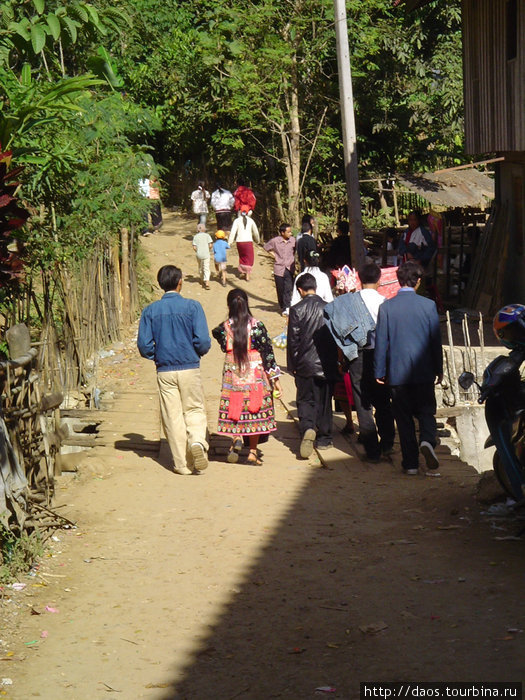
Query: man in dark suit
x: 409, y: 357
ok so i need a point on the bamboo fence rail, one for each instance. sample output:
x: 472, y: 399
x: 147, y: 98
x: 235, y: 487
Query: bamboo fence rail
x: 81, y: 311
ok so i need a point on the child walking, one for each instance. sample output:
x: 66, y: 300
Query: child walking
x: 202, y: 244
x: 219, y: 253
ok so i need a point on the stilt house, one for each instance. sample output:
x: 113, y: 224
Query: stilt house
x: 494, y: 89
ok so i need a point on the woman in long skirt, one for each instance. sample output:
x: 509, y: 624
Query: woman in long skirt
x: 244, y: 231
x: 250, y: 379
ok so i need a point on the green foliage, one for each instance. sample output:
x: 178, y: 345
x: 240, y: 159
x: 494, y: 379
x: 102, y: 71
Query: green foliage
x: 221, y: 77
x: 80, y: 144
x: 408, y: 87
x: 28, y: 105
x: 18, y: 554
x: 87, y: 174
x: 30, y: 30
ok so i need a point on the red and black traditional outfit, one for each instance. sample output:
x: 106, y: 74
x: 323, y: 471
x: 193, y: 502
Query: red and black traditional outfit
x: 246, y: 406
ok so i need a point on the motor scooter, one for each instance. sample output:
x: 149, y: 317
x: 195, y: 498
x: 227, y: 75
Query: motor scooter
x: 502, y: 391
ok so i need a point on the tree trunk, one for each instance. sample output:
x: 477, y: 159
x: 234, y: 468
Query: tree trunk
x: 295, y: 148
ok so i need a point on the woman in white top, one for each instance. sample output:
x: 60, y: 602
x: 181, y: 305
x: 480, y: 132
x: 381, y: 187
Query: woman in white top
x: 222, y: 201
x: 200, y: 197
x: 244, y: 231
x: 323, y: 283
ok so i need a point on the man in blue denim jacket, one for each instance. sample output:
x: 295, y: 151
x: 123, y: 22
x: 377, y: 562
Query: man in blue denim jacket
x: 174, y: 333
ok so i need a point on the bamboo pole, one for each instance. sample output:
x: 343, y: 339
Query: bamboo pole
x: 452, y: 359
x: 481, y: 336
x: 124, y: 238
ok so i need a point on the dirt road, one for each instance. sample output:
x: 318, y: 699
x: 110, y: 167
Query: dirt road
x: 262, y: 582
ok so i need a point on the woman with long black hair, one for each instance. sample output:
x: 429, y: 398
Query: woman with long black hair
x: 250, y: 379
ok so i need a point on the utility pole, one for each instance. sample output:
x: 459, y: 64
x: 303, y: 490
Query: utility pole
x: 346, y: 99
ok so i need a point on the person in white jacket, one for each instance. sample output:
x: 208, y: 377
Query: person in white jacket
x: 323, y: 283
x: 245, y: 231
x: 222, y: 201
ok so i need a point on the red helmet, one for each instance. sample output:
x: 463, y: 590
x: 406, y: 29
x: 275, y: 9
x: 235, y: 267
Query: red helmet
x: 509, y: 326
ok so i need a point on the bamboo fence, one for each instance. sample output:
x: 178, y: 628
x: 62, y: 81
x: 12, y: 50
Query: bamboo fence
x: 80, y: 309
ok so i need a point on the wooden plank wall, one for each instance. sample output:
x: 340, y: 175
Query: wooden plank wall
x: 494, y: 86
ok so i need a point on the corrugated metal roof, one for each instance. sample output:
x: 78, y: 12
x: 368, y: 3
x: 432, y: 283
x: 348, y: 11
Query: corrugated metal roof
x: 460, y: 188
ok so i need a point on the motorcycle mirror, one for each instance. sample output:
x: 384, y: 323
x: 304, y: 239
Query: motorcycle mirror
x: 466, y: 380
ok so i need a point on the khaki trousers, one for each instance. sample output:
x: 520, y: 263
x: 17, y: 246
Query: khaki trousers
x: 182, y: 411
x: 204, y: 269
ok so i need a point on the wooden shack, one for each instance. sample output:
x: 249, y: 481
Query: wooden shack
x: 494, y: 89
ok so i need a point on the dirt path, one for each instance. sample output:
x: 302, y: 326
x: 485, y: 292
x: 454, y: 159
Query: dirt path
x: 254, y: 582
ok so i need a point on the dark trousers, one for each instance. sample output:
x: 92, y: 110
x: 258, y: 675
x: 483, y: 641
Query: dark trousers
x: 369, y: 394
x: 411, y: 401
x: 156, y: 216
x: 224, y: 220
x: 156, y: 213
x: 284, y: 287
x: 314, y: 407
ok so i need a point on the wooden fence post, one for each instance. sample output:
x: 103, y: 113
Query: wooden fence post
x: 396, y: 210
x: 124, y: 275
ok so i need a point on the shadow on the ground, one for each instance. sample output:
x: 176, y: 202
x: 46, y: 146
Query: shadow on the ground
x: 140, y: 445
x: 369, y: 576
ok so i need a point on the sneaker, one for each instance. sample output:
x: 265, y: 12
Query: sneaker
x: 387, y: 451
x: 371, y: 460
x: 411, y: 472
x: 200, y: 456
x: 182, y: 470
x: 428, y: 453
x: 307, y: 443
x: 234, y: 452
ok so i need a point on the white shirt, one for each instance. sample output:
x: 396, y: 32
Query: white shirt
x: 199, y: 197
x: 373, y: 301
x: 222, y: 201
x: 144, y: 187
x: 323, y: 286
x: 243, y: 234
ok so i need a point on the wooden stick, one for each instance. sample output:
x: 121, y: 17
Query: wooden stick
x: 452, y: 360
x: 481, y: 336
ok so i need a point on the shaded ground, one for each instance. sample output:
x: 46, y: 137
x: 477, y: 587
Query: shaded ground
x: 254, y: 582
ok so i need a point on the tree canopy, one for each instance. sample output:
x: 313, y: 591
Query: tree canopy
x: 92, y: 93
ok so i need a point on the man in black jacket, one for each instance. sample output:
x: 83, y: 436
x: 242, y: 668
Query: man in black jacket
x: 312, y: 359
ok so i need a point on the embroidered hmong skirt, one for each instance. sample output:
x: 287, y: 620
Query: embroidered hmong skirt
x: 246, y: 408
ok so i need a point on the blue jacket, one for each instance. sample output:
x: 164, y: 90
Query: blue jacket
x: 173, y: 332
x: 424, y: 254
x: 408, y: 340
x: 349, y: 322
